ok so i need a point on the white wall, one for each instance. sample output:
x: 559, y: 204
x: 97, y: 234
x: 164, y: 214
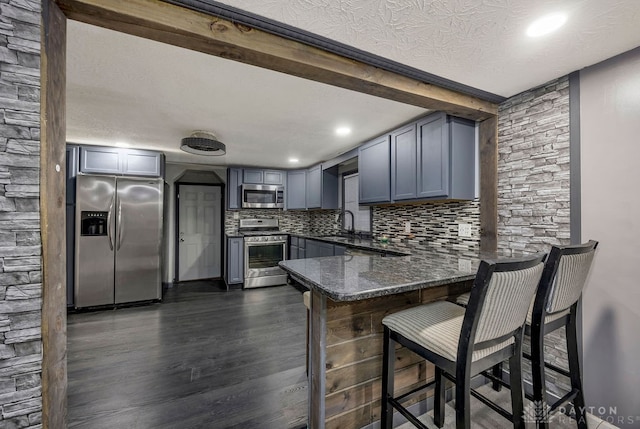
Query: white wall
x: 173, y: 172
x: 610, y: 161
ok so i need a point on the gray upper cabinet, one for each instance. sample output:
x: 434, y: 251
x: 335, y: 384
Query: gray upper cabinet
x: 112, y: 160
x: 253, y: 176
x: 446, y: 157
x: 296, y: 190
x: 374, y: 167
x: 234, y: 180
x: 274, y: 177
x: 403, y: 163
x: 330, y: 185
x: 314, y: 187
x: 263, y: 177
x: 100, y: 160
x: 433, y: 156
x: 141, y: 163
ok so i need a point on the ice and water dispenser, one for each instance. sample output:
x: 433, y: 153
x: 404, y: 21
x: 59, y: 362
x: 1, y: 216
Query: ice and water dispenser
x: 93, y: 223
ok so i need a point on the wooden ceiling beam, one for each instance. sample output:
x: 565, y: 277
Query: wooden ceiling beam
x: 163, y: 22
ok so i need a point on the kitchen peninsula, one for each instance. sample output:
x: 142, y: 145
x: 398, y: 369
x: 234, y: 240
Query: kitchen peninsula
x: 349, y: 297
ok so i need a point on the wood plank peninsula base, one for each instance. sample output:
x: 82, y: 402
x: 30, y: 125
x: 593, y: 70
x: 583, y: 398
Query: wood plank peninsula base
x: 346, y: 368
x: 350, y: 295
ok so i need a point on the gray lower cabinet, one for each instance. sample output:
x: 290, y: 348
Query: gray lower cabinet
x: 297, y: 248
x: 318, y: 249
x: 296, y: 190
x: 234, y: 272
x: 113, y: 160
x: 234, y: 180
x: 374, y: 168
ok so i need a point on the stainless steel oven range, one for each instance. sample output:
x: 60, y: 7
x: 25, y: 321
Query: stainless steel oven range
x: 264, y: 247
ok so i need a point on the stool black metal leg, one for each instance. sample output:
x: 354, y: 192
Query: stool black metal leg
x: 463, y: 397
x: 388, y: 364
x: 538, y: 377
x: 496, y: 371
x: 438, y: 399
x: 515, y: 380
x: 574, y: 369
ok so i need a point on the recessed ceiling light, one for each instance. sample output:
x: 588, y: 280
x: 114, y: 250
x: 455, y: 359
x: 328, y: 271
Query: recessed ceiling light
x: 122, y: 144
x: 546, y: 24
x: 293, y: 160
x: 343, y: 131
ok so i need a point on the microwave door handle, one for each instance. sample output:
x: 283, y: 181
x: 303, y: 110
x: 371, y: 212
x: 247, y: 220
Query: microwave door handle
x: 109, y: 235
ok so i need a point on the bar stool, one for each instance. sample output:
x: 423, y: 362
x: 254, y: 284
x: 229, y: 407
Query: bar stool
x: 555, y: 303
x: 463, y: 343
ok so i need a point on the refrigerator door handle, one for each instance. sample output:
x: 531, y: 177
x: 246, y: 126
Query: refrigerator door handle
x: 119, y: 225
x: 109, y: 225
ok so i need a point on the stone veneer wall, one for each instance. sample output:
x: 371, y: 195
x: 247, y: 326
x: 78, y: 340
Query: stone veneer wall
x: 533, y: 168
x: 433, y: 224
x: 20, y: 245
x: 533, y: 184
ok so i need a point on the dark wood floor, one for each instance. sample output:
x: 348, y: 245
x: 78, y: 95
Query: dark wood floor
x: 204, y: 358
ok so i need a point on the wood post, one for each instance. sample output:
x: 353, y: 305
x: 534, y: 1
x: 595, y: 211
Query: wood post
x: 52, y: 217
x: 489, y: 184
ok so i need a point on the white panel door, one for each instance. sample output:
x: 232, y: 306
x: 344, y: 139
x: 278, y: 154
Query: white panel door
x: 200, y: 232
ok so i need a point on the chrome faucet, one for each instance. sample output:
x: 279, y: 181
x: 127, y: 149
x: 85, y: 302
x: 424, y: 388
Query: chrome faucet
x: 342, y: 216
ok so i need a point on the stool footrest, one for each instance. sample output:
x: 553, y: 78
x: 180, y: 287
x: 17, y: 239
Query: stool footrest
x: 417, y: 423
x: 489, y: 403
x: 414, y: 391
x: 551, y: 366
x: 570, y: 396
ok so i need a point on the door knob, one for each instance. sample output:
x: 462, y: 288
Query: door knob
x: 181, y: 240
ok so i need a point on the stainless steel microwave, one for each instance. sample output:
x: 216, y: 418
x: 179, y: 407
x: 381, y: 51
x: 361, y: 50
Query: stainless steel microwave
x: 262, y: 196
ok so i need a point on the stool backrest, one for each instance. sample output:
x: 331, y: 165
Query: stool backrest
x: 565, y: 275
x: 499, y: 301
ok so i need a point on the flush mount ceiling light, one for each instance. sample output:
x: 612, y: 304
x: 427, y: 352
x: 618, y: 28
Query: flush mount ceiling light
x: 343, y: 131
x: 546, y: 24
x: 203, y: 143
x: 294, y: 160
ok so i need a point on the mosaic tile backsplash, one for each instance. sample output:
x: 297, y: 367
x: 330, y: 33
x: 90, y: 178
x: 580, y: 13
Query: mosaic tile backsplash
x: 300, y: 221
x: 433, y: 224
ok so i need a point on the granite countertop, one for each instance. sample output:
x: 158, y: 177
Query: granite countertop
x: 352, y: 278
x: 359, y: 243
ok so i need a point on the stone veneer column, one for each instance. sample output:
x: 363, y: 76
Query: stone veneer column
x: 533, y: 185
x: 533, y: 168
x: 20, y: 244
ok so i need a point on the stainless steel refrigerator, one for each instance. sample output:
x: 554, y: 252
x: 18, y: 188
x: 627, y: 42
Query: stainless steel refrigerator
x: 118, y: 240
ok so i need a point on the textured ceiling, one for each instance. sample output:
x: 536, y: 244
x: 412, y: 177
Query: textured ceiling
x: 124, y: 88
x: 151, y: 95
x: 480, y: 43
